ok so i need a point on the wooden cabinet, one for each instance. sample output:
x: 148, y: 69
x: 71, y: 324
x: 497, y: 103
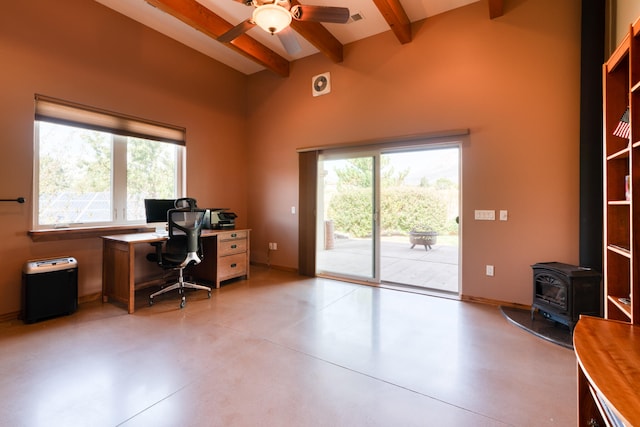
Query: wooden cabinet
x: 226, y: 256
x: 621, y: 177
x: 232, y: 255
x: 608, y: 354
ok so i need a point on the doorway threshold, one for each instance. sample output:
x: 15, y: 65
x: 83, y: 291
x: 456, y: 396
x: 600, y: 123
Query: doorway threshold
x: 419, y: 290
x: 397, y: 287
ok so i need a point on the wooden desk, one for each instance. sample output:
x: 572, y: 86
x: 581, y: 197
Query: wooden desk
x: 226, y: 256
x: 608, y: 354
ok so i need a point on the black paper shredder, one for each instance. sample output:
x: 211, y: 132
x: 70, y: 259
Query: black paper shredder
x: 49, y: 288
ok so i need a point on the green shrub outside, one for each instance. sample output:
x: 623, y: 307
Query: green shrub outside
x: 404, y: 208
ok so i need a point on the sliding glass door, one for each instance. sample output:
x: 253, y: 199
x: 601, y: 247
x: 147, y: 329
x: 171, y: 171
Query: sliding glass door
x: 346, y: 229
x: 419, y: 210
x: 390, y: 216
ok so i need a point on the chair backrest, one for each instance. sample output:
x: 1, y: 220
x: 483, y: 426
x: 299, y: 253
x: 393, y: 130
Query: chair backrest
x: 184, y: 230
x: 185, y: 202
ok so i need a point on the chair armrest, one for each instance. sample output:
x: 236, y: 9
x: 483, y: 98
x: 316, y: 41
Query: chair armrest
x: 157, y: 256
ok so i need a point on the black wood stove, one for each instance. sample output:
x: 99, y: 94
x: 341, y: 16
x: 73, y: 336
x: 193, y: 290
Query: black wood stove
x: 562, y: 292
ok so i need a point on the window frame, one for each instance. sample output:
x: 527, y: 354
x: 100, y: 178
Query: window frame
x: 120, y: 127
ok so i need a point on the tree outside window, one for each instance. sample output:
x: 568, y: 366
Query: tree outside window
x: 90, y: 177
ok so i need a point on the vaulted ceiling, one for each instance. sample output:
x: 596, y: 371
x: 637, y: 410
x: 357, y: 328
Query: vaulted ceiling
x: 199, y: 23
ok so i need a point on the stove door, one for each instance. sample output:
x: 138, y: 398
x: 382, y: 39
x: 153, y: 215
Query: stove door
x: 551, y: 289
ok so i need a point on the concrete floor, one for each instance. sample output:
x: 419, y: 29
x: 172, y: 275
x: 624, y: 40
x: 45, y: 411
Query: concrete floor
x: 436, y: 268
x: 284, y: 350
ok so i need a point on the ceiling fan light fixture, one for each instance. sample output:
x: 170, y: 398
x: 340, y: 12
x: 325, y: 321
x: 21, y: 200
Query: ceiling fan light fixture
x: 271, y: 18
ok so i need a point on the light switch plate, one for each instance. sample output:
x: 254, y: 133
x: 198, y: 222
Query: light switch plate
x: 485, y: 215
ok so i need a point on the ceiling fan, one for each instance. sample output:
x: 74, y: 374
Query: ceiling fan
x: 274, y: 16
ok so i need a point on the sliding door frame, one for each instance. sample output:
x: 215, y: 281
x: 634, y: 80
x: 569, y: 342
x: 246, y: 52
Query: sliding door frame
x: 308, y: 183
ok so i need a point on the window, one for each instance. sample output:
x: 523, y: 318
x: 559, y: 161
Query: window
x: 94, y: 167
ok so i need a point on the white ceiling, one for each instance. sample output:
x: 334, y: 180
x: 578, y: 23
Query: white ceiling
x: 234, y: 12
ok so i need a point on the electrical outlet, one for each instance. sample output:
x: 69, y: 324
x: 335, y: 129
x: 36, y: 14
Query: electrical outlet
x: 489, y: 270
x: 273, y: 246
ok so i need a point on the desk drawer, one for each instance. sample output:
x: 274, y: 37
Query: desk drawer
x: 228, y: 235
x: 232, y: 266
x: 228, y: 247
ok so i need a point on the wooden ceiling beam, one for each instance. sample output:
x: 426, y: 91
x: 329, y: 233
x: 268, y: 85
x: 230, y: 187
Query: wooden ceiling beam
x: 396, y: 17
x: 319, y: 36
x: 204, y: 20
x: 496, y: 8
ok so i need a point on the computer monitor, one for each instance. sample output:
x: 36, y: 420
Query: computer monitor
x: 156, y: 210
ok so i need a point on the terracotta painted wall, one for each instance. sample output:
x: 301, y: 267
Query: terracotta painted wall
x: 513, y: 81
x: 626, y: 13
x: 81, y: 51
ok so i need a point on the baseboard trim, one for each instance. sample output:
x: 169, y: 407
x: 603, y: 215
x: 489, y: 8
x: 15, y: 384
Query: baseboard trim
x: 15, y: 315
x: 90, y: 298
x: 7, y: 317
x: 488, y: 301
x: 275, y: 267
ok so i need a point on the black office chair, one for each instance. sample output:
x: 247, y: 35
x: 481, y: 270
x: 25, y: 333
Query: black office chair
x: 182, y: 249
x: 185, y: 202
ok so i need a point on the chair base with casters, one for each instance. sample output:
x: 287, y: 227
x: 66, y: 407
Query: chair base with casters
x: 181, y: 285
x: 182, y: 250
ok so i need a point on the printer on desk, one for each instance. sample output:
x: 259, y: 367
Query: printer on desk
x: 219, y: 219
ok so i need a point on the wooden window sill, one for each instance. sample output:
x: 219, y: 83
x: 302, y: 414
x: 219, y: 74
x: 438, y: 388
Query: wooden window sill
x: 54, y: 234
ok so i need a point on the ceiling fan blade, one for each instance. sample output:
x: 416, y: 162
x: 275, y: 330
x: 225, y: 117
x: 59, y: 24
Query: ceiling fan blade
x: 337, y: 15
x: 289, y: 41
x: 236, y: 31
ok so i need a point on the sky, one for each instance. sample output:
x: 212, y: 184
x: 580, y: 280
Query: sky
x: 431, y: 163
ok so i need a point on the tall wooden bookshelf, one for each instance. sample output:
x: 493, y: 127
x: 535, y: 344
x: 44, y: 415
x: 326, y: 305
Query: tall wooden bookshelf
x: 621, y: 83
